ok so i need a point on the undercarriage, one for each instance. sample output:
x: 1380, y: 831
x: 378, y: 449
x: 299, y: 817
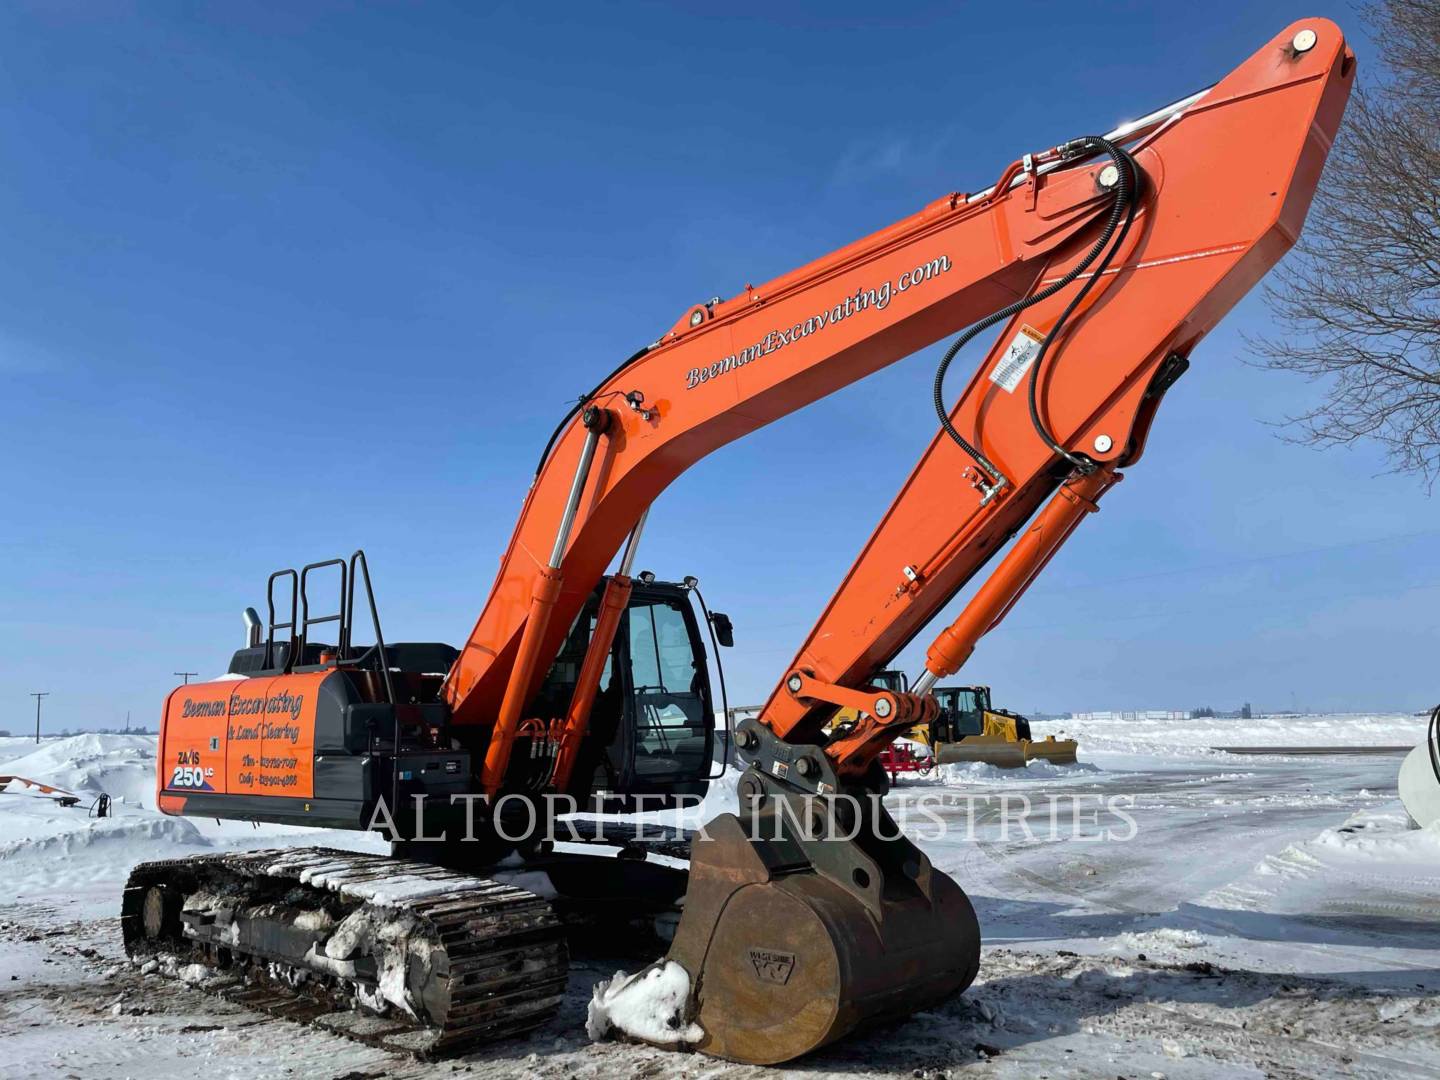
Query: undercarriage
x: 402, y: 954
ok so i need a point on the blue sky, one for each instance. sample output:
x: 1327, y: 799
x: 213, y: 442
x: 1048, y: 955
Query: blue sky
x: 286, y: 279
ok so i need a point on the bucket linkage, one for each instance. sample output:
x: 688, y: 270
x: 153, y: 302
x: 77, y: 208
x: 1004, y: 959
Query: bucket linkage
x: 809, y: 914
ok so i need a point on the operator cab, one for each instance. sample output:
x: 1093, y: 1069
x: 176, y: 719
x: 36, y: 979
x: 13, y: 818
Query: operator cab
x: 651, y: 730
x: 962, y: 713
x: 652, y: 727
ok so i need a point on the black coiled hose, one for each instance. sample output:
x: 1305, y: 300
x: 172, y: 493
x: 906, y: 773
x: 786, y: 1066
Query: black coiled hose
x: 1112, y: 236
x: 579, y: 404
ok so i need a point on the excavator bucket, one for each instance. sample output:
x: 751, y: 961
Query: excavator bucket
x: 1056, y: 751
x: 994, y: 750
x: 791, y: 944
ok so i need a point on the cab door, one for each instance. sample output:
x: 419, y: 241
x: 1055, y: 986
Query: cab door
x: 669, y: 719
x: 961, y: 713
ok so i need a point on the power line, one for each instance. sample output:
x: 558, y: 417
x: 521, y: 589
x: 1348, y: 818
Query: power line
x: 38, y: 698
x: 186, y: 674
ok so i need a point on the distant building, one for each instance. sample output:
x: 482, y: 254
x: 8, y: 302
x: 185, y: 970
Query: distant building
x: 1125, y: 715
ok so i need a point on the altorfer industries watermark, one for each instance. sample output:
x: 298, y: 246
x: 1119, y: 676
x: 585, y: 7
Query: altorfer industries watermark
x: 928, y: 816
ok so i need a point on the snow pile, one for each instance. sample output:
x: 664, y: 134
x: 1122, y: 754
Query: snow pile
x: 1372, y: 864
x: 49, y: 848
x: 387, y: 937
x: 723, y: 795
x: 169, y: 965
x: 45, y: 848
x: 1160, y: 942
x: 965, y: 773
x: 195, y: 974
x: 649, y: 1006
x: 534, y: 881
x: 49, y: 837
x: 122, y: 766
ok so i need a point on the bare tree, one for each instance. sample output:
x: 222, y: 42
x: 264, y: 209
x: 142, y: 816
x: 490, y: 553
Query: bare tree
x: 1358, y: 300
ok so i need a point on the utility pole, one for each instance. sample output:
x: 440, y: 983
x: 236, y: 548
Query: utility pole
x: 38, y: 697
x: 187, y: 675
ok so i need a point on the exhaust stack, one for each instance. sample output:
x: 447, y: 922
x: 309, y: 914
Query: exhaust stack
x: 252, y: 627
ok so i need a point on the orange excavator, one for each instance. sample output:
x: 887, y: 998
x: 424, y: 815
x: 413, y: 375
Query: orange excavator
x: 1103, y: 262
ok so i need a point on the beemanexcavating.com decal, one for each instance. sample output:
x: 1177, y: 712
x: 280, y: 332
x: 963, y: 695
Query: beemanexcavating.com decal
x: 861, y: 300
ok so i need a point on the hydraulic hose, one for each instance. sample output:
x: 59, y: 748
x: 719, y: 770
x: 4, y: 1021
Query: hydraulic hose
x: 579, y: 404
x: 1117, y: 224
x: 1125, y: 203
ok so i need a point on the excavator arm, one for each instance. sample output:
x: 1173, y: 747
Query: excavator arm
x: 1218, y: 186
x: 1225, y: 184
x: 809, y: 912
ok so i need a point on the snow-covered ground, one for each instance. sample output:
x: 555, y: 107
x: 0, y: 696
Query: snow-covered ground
x: 1160, y: 909
x: 1158, y: 736
x: 47, y: 851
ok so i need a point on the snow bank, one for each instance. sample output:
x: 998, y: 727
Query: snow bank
x: 1161, y: 941
x: 649, y: 1006
x: 1170, y: 736
x: 122, y: 766
x: 1372, y: 864
x: 52, y: 836
x: 966, y: 773
x: 46, y: 848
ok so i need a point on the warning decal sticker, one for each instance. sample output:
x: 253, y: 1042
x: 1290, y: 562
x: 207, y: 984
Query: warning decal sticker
x: 1017, y: 359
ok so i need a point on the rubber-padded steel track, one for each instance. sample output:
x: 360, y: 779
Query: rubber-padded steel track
x: 392, y: 952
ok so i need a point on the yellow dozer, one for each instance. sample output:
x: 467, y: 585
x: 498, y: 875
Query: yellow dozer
x: 969, y: 728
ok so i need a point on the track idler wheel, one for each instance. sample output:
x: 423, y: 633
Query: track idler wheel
x: 160, y: 913
x: 791, y: 944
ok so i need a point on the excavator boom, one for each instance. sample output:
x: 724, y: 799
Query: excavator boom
x: 1226, y: 177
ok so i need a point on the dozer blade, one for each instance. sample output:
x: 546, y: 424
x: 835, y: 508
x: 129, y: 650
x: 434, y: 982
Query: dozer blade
x: 791, y: 944
x: 1056, y: 751
x: 991, y: 749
